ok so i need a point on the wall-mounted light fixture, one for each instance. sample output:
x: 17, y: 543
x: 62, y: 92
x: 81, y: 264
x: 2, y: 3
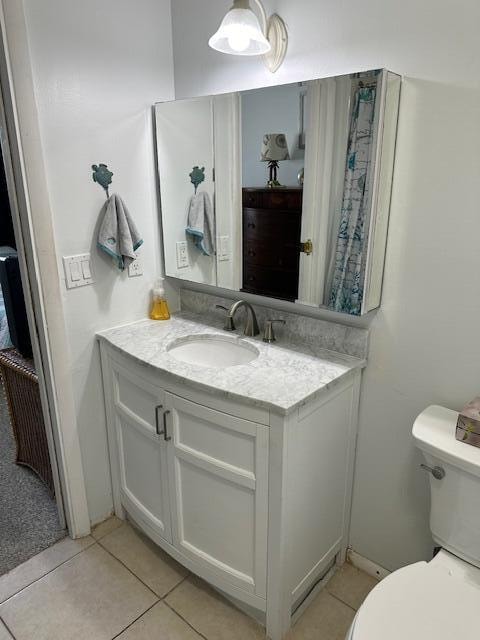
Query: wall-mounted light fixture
x: 240, y: 34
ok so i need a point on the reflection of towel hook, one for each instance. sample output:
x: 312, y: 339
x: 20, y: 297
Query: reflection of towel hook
x: 102, y: 175
x: 197, y: 176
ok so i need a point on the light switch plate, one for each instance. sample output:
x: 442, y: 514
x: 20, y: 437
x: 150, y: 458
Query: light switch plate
x: 223, y: 248
x: 135, y: 268
x: 182, y: 254
x: 77, y: 270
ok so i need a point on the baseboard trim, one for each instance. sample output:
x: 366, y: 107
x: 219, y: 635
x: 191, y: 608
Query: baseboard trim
x: 370, y: 567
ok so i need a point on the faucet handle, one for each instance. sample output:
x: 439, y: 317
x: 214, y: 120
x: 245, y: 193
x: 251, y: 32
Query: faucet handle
x: 268, y: 333
x: 229, y: 326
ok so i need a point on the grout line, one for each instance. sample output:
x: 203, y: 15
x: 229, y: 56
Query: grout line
x: 47, y: 572
x: 140, y: 579
x: 130, y: 571
x: 185, y: 620
x: 97, y: 542
x: 342, y: 601
x: 136, y: 619
x: 177, y: 585
x: 122, y: 522
x: 2, y: 621
x: 159, y: 598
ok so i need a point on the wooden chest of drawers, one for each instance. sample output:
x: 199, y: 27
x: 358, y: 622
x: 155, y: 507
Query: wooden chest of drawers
x: 272, y: 221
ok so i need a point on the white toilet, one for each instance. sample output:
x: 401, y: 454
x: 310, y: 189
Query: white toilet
x: 440, y: 599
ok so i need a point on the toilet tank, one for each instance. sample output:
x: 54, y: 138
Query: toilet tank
x: 455, y: 498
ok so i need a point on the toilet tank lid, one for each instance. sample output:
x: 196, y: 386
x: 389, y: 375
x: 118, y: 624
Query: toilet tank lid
x: 434, y: 433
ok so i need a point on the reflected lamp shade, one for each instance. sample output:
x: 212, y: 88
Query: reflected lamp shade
x: 274, y: 148
x: 240, y: 33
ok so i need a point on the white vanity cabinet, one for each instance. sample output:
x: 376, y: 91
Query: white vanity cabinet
x: 255, y: 502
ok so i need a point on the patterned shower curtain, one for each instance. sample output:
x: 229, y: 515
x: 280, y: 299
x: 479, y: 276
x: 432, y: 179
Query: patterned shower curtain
x: 346, y: 293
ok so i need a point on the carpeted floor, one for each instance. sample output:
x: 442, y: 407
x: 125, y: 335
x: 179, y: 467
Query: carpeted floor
x: 28, y: 515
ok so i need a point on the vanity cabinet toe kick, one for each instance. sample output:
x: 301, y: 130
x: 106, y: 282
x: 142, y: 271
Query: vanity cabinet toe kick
x: 254, y: 502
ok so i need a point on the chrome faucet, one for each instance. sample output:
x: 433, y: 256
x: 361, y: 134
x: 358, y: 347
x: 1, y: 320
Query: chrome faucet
x: 251, y: 324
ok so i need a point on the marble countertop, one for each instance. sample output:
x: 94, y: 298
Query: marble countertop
x: 284, y: 376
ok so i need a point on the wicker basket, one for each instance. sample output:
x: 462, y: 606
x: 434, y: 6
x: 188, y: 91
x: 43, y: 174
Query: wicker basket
x: 23, y: 397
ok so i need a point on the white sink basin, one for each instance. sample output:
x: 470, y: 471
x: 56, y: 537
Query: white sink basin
x: 212, y: 350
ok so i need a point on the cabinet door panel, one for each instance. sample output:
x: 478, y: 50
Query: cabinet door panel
x: 235, y: 446
x: 143, y: 472
x: 184, y: 140
x: 134, y: 396
x: 218, y: 477
x: 211, y: 519
x: 143, y: 475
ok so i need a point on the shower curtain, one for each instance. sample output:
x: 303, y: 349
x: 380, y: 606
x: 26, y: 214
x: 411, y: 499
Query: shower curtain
x: 346, y: 292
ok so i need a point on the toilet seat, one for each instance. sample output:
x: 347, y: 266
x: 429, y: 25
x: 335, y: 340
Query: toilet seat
x: 438, y: 600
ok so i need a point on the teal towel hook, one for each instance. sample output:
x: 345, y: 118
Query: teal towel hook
x: 102, y: 176
x: 197, y: 176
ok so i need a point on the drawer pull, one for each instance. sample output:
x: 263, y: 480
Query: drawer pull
x: 157, y: 419
x: 165, y: 434
x: 251, y: 225
x: 251, y: 252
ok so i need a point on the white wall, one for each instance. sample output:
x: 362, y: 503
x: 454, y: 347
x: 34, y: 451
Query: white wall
x: 424, y: 340
x: 98, y: 67
x: 271, y: 110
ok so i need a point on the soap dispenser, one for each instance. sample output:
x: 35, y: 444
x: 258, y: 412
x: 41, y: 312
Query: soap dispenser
x: 159, y: 310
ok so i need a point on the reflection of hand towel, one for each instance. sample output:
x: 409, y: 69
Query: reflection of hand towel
x: 118, y: 235
x: 200, y: 222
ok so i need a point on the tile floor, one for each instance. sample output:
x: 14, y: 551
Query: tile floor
x: 117, y: 584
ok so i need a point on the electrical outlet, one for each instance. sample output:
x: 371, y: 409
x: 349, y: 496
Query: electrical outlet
x: 135, y: 268
x: 182, y: 254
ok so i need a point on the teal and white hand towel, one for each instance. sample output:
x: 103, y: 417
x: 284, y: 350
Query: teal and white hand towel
x: 118, y: 235
x: 200, y: 223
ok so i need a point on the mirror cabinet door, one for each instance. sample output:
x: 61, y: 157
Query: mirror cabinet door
x: 272, y: 160
x: 186, y: 168
x: 294, y: 190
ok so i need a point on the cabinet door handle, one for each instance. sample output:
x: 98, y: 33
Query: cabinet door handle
x: 157, y: 420
x: 165, y: 434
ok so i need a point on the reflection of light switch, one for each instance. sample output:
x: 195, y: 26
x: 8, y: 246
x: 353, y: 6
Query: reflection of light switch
x: 223, y: 248
x: 135, y: 268
x: 182, y: 254
x: 77, y: 270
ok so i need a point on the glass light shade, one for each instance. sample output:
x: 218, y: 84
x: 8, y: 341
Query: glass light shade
x: 240, y: 34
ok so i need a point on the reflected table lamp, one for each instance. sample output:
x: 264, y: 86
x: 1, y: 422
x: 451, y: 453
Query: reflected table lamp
x: 274, y: 150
